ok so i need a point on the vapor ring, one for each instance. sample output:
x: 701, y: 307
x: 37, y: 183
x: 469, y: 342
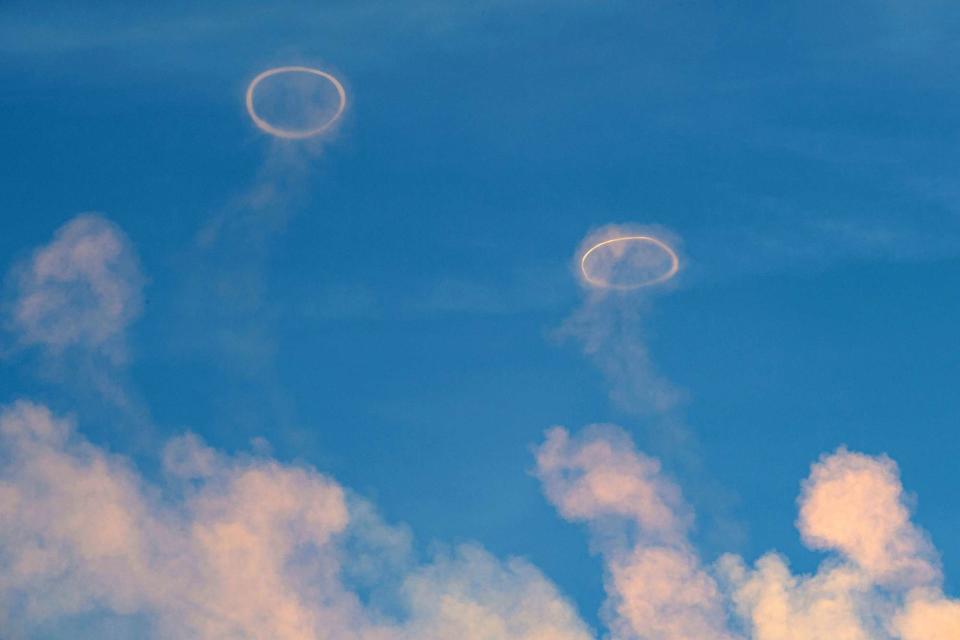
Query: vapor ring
x: 597, y: 282
x: 295, y: 134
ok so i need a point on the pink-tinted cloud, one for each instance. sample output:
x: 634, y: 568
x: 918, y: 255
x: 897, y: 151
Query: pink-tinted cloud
x: 928, y: 615
x: 854, y: 504
x: 81, y: 290
x: 247, y: 547
x: 600, y: 475
x: 882, y: 581
x: 230, y: 548
x: 655, y: 584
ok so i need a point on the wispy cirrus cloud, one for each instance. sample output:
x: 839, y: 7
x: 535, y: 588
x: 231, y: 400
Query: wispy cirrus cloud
x: 64, y: 29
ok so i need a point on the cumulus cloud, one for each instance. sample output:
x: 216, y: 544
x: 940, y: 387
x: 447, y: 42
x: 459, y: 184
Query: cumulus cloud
x: 928, y: 615
x: 854, y: 504
x: 243, y: 546
x: 473, y: 596
x: 246, y: 547
x: 881, y: 580
x: 229, y: 547
x: 656, y: 585
x: 81, y: 290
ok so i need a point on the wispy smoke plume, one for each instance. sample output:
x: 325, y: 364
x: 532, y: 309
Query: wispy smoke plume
x: 80, y: 291
x: 72, y: 302
x: 224, y: 275
x: 610, y: 324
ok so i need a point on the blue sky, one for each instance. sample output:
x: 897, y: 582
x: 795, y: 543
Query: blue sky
x: 393, y: 316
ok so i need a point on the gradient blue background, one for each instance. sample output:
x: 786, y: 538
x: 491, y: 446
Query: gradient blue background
x: 403, y: 336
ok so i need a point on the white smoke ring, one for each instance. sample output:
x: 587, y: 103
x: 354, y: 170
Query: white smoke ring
x: 606, y: 284
x: 295, y: 134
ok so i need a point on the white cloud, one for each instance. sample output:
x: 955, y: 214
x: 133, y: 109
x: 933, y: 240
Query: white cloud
x: 928, y: 616
x: 474, y: 596
x: 776, y: 605
x: 81, y: 290
x: 230, y: 547
x: 247, y: 547
x: 656, y: 588
x: 854, y: 504
x: 599, y: 475
x: 882, y: 581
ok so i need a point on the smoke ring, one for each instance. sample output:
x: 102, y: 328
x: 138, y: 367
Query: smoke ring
x: 294, y: 134
x: 606, y: 284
